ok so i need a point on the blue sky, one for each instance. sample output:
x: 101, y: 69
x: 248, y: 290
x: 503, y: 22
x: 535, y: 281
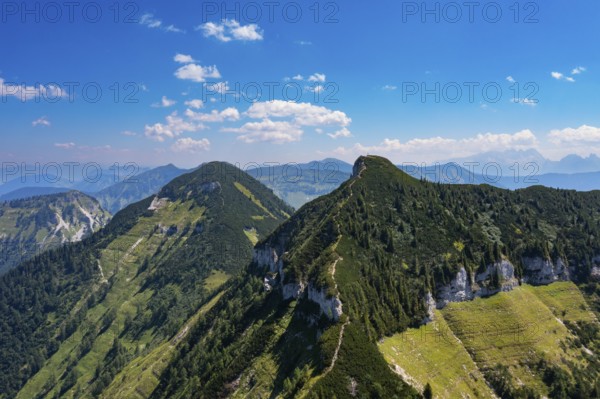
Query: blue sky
x: 369, y: 65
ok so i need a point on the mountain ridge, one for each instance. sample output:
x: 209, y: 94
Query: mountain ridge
x: 138, y: 279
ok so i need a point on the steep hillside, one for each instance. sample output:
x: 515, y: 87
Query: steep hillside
x: 375, y: 258
x: 118, y: 196
x: 76, y: 317
x: 31, y: 226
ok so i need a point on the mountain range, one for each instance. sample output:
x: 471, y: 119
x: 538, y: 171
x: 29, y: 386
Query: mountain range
x: 507, y: 159
x: 389, y: 286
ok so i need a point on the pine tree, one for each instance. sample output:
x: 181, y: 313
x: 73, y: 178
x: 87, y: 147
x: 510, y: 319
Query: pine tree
x: 427, y: 392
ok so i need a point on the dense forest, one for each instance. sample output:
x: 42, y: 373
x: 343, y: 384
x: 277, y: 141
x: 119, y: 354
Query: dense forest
x: 183, y: 310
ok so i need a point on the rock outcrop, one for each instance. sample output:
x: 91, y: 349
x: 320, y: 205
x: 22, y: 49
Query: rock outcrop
x: 330, y: 306
x: 539, y: 271
x: 158, y: 203
x: 271, y: 260
x: 500, y: 277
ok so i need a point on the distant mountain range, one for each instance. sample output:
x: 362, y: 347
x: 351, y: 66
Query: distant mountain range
x: 118, y: 196
x: 28, y: 192
x: 507, y: 160
x: 300, y: 183
x: 87, y: 178
x: 31, y: 226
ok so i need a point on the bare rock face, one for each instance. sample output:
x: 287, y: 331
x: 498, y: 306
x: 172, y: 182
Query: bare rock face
x: 271, y: 260
x: 459, y: 290
x: 500, y: 277
x: 330, y: 306
x: 538, y: 271
x: 465, y: 287
x: 267, y: 256
x: 358, y: 167
x: 293, y: 290
x: 430, y: 303
x: 504, y: 271
x: 158, y: 203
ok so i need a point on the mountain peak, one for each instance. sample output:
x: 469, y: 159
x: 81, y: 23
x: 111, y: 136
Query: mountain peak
x: 367, y: 161
x: 359, y: 166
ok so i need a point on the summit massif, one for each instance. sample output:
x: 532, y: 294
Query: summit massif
x: 387, y: 287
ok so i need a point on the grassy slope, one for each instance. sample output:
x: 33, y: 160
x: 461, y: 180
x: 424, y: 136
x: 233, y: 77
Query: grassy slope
x: 120, y: 263
x: 514, y: 329
x: 141, y: 376
x: 432, y: 353
x: 156, y: 260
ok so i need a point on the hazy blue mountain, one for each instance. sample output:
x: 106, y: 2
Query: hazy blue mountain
x: 87, y: 178
x: 28, y: 192
x: 298, y: 184
x: 512, y: 159
x: 118, y: 196
x: 575, y: 164
x: 449, y: 173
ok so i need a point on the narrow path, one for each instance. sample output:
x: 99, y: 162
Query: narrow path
x: 333, y: 268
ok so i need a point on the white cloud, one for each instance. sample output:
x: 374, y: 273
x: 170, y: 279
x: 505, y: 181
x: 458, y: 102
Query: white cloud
x: 174, y: 29
x: 296, y: 115
x: 183, y: 59
x: 343, y: 132
x: 195, y: 104
x: 317, y: 77
x: 128, y: 133
x: 149, y: 21
x: 174, y: 127
x: 303, y: 43
x: 583, y: 141
x: 298, y: 77
x: 389, y: 88
x: 152, y: 22
x: 64, y: 146
x: 165, y: 103
x: 43, y: 121
x: 560, y: 76
x: 578, y: 70
x: 303, y: 114
x: 228, y: 114
x: 582, y: 134
x: 190, y: 145
x: 230, y: 29
x: 197, y: 73
x: 436, y: 148
x: 510, y: 79
x: 267, y: 131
